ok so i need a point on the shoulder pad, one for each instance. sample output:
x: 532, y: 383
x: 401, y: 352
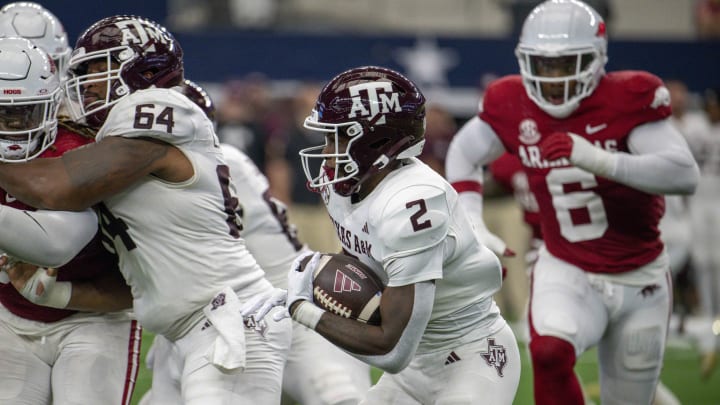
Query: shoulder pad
x: 637, y: 81
x: 157, y: 113
x: 641, y: 92
x: 414, y: 219
x: 497, y: 94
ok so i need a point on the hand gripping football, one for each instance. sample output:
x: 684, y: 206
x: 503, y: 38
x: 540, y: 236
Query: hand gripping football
x: 345, y: 286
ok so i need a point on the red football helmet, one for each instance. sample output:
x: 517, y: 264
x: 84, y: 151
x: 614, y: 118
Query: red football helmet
x: 383, y: 114
x: 199, y: 96
x: 126, y: 53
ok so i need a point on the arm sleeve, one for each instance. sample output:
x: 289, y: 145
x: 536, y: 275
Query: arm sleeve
x: 400, y: 356
x: 661, y: 161
x: 475, y: 145
x: 45, y: 238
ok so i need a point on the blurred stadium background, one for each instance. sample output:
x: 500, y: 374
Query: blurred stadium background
x: 261, y: 61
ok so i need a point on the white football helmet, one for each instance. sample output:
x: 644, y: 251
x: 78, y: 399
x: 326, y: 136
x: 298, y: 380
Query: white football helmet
x: 562, y: 54
x: 30, y: 94
x: 32, y: 21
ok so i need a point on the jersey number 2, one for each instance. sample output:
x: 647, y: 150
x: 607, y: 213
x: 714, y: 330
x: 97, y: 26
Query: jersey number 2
x: 415, y: 218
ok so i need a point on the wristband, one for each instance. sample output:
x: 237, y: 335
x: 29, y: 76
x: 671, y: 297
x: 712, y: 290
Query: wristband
x: 308, y: 314
x: 59, y: 295
x: 44, y: 289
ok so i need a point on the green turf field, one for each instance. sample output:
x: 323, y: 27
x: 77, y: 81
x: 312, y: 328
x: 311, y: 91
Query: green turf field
x: 681, y: 374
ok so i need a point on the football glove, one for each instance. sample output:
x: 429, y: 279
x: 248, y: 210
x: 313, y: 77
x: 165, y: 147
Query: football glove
x: 300, y: 280
x: 580, y: 152
x: 259, y: 306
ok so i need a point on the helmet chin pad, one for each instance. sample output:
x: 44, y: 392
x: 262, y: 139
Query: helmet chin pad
x: 344, y: 188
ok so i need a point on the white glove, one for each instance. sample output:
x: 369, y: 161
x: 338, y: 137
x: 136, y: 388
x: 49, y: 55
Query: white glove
x: 259, y: 306
x: 44, y: 289
x: 9, y: 262
x: 472, y: 204
x: 492, y: 241
x: 300, y: 285
x: 591, y: 158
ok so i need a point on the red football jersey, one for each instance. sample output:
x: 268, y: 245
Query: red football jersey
x: 594, y: 223
x: 90, y: 262
x: 508, y: 172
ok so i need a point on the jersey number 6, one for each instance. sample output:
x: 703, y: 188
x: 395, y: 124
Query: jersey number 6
x: 566, y: 203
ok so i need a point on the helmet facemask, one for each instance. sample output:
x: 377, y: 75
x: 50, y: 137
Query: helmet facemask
x: 95, y: 111
x: 562, y: 52
x: 30, y: 94
x: 344, y: 175
x: 559, y: 94
x: 27, y: 127
x: 348, y: 174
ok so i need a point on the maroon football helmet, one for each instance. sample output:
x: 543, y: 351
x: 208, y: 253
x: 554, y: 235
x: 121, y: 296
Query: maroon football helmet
x: 199, y: 96
x: 383, y: 115
x: 137, y: 53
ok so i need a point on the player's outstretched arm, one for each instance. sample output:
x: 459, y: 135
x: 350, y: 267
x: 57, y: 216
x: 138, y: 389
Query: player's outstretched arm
x: 85, y: 176
x: 46, y: 238
x: 475, y: 145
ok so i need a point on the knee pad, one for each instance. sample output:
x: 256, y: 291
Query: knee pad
x: 549, y: 352
x: 643, y: 349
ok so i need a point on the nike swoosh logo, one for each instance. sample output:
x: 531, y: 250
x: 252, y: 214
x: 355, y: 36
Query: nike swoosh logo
x: 9, y: 198
x: 589, y: 129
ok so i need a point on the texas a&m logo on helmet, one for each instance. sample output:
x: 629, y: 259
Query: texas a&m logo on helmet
x: 381, y: 99
x: 142, y: 32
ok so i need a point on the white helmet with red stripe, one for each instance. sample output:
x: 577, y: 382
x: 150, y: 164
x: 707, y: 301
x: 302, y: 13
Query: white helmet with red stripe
x: 562, y: 54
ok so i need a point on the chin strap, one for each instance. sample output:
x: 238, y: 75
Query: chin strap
x: 380, y: 163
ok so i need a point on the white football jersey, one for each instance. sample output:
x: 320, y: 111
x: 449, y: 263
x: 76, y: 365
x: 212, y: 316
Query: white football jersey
x: 178, y: 243
x: 268, y: 235
x: 408, y: 214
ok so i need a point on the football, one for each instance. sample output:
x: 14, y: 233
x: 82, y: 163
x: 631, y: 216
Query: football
x: 345, y: 286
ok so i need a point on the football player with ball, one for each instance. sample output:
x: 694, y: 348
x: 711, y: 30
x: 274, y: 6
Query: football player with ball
x: 441, y: 337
